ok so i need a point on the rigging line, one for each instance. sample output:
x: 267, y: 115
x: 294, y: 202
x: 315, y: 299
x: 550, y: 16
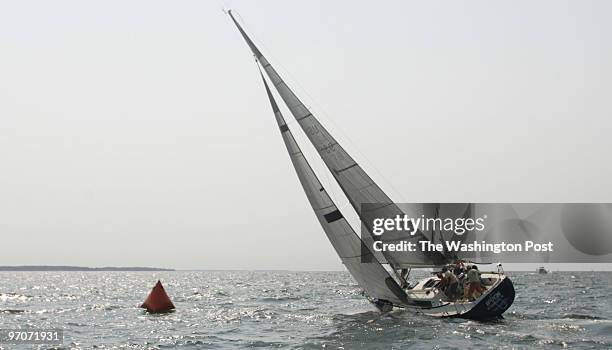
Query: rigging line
x: 330, y: 186
x: 288, y: 77
x: 338, y: 129
x: 330, y: 190
x: 356, y: 150
x: 326, y: 116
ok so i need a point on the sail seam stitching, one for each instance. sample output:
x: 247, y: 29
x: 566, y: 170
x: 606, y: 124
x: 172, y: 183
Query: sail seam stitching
x: 347, y: 168
x: 304, y: 117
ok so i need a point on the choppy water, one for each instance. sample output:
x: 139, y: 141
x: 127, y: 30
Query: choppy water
x: 310, y: 310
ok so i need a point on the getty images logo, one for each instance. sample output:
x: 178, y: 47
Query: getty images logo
x: 458, y: 226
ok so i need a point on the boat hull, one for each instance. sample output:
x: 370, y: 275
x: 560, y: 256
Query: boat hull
x: 490, y: 305
x: 494, y: 303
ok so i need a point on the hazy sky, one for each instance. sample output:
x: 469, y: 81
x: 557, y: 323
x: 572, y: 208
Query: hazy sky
x: 139, y: 133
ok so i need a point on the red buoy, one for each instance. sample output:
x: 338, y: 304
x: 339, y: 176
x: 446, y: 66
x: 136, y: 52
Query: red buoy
x: 158, y: 300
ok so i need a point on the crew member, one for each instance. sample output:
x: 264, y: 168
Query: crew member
x: 473, y: 283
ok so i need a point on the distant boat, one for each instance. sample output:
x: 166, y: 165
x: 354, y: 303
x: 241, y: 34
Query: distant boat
x: 385, y: 289
x: 541, y: 270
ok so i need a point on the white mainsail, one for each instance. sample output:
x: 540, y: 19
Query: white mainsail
x: 371, y: 276
x: 353, y: 180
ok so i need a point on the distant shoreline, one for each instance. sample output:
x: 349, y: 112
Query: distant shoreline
x: 79, y: 268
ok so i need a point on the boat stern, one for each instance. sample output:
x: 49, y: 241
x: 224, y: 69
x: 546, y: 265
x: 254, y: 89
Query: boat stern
x: 494, y: 303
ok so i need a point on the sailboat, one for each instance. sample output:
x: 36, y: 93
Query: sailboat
x: 385, y: 288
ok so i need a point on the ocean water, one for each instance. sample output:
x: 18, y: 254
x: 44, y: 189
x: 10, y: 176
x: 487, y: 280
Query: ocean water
x: 292, y: 310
